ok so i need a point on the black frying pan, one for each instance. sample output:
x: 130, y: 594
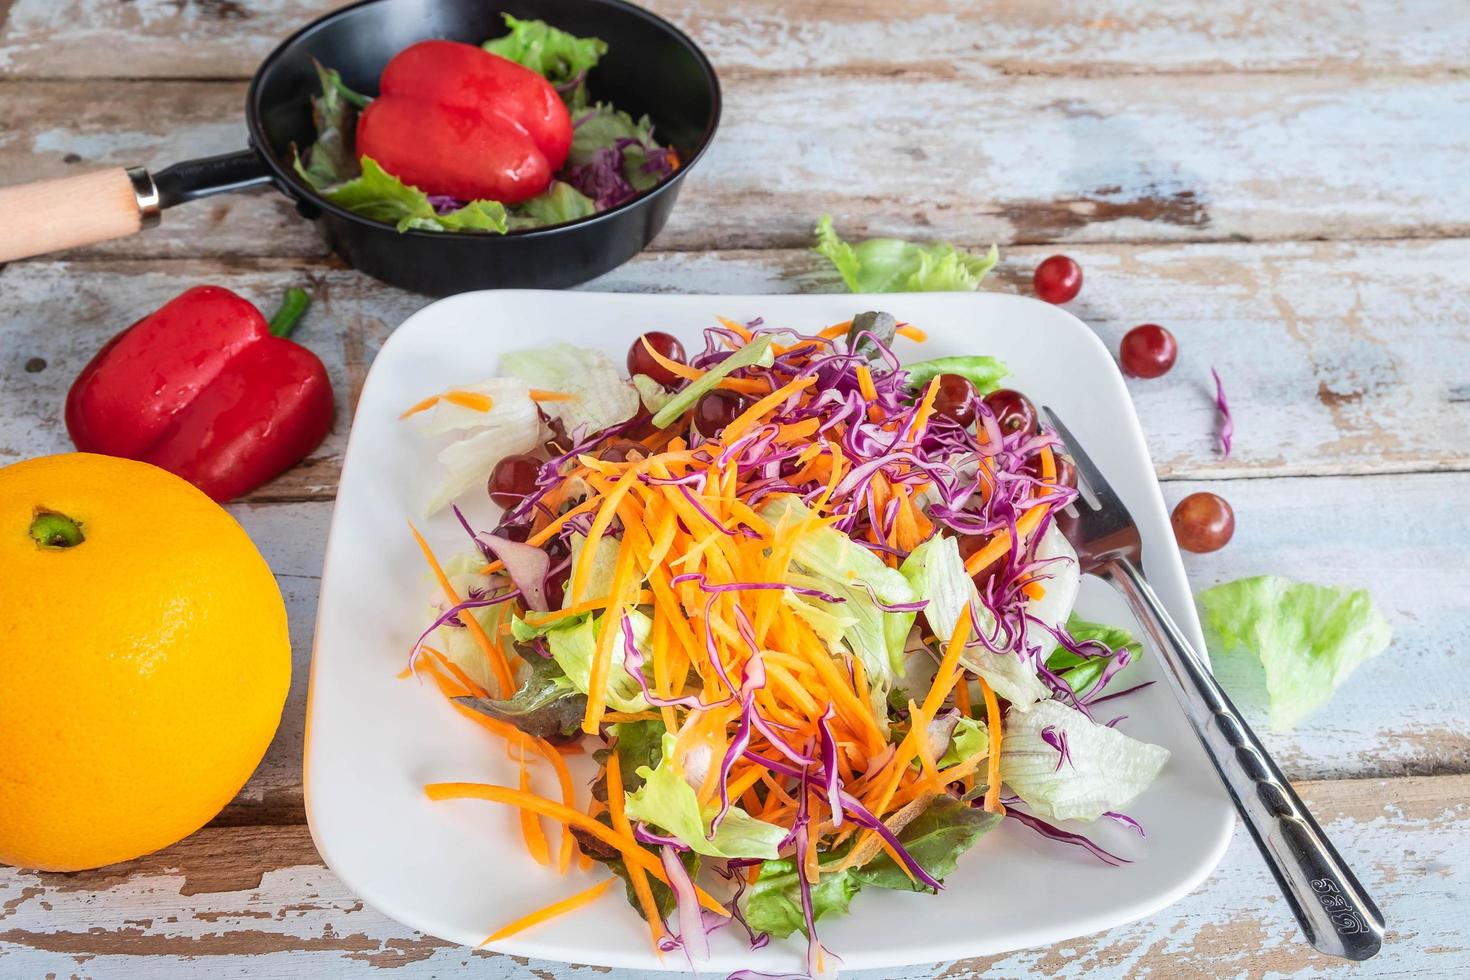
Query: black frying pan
x: 651, y: 67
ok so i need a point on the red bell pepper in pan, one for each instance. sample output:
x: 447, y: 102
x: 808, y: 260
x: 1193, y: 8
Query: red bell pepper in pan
x: 453, y: 119
x: 205, y: 388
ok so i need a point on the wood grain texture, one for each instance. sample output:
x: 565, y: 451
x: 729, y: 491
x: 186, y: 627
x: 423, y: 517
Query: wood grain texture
x: 257, y: 901
x: 1035, y: 159
x: 1337, y: 357
x: 228, y: 38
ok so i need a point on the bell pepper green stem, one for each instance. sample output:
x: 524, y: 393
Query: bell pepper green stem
x: 52, y: 530
x: 293, y: 304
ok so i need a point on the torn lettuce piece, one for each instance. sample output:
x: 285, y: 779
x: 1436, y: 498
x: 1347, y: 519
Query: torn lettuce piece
x: 831, y: 562
x: 667, y: 800
x: 574, y: 643
x: 981, y: 370
x: 653, y: 395
x: 380, y: 196
x: 332, y: 159
x: 935, y: 839
x: 936, y: 573
x: 773, y: 901
x: 562, y: 59
x: 892, y: 265
x: 758, y: 351
x: 482, y: 439
x: 601, y: 397
x: 546, y: 704
x: 1067, y: 767
x: 970, y: 736
x: 1309, y: 638
x: 600, y: 573
x: 561, y: 202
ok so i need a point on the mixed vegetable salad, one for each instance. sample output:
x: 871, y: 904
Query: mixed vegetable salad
x: 808, y: 606
x: 488, y: 139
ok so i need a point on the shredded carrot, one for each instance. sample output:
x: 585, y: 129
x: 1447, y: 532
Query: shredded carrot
x: 992, y: 722
x: 584, y: 897
x: 1048, y: 465
x: 675, y: 368
x: 538, y: 395
x: 738, y: 328
x: 926, y: 408
x: 472, y: 400
x: 912, y: 333
x: 761, y: 408
x: 836, y: 330
x: 552, y: 754
x: 422, y: 406
x: 865, y: 383
x: 530, y: 823
x: 1001, y: 542
x: 492, y: 651
x: 632, y: 852
x: 637, y: 876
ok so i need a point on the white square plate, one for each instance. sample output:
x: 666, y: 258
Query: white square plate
x: 457, y: 869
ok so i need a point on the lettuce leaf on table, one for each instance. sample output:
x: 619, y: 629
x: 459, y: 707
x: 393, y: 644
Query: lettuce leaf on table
x: 1309, y: 638
x: 892, y: 265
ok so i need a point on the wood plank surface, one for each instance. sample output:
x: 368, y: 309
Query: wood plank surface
x: 1281, y: 185
x: 257, y: 902
x: 1338, y: 357
x: 228, y: 38
x: 1030, y: 159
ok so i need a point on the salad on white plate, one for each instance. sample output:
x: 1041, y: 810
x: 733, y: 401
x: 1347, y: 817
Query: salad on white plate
x: 807, y: 606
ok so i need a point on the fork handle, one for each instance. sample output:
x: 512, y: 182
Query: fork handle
x: 1332, y: 908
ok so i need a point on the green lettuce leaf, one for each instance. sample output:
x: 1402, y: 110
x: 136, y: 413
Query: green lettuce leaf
x: 935, y: 838
x: 773, y: 902
x: 667, y: 800
x: 982, y: 371
x: 332, y: 159
x: 1081, y: 673
x: 936, y: 573
x: 653, y: 395
x: 968, y: 738
x: 546, y: 704
x: 829, y: 561
x: 892, y: 265
x: 1103, y: 769
x: 380, y: 196
x: 1309, y: 638
x: 559, y: 203
x: 602, y: 399
x: 574, y: 642
x: 758, y: 351
x: 555, y: 55
x: 600, y: 574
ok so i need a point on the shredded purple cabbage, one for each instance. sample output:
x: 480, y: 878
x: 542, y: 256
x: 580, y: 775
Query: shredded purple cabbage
x: 1227, y: 422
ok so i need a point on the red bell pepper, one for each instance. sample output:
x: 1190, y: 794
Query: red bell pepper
x: 206, y: 389
x: 456, y: 120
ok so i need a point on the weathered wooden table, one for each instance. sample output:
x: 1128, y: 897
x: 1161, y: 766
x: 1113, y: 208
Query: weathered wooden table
x: 1286, y: 189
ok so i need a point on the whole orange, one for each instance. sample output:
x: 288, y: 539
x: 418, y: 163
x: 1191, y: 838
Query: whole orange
x: 144, y: 660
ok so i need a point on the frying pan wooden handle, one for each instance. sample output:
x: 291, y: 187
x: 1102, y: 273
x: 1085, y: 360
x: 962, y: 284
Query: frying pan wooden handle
x: 51, y: 215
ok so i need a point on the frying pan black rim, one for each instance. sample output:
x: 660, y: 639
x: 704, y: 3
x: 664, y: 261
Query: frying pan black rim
x: 298, y: 188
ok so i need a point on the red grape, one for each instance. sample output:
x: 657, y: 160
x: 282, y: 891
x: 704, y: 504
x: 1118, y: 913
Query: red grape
x: 642, y: 362
x: 1203, y: 522
x: 1057, y: 280
x: 955, y: 399
x: 1148, y: 351
x: 1013, y: 411
x: 716, y: 410
x: 513, y: 478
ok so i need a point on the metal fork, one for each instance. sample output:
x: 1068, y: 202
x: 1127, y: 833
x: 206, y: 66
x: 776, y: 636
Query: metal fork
x: 1330, y: 905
